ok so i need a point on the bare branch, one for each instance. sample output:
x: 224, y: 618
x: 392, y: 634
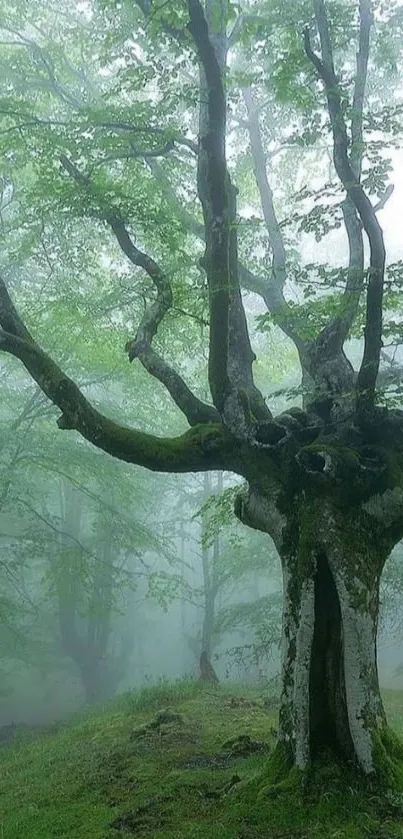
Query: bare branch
x: 273, y: 293
x: 140, y: 347
x: 366, y: 380
x: 357, y: 144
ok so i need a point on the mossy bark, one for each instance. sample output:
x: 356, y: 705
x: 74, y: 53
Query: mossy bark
x: 332, y: 558
x: 331, y: 702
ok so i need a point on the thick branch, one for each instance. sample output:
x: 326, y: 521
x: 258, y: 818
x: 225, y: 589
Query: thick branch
x: 336, y: 375
x: 355, y: 278
x: 215, y: 202
x: 202, y: 448
x: 230, y: 356
x: 357, y: 144
x: 265, y: 192
x: 367, y: 375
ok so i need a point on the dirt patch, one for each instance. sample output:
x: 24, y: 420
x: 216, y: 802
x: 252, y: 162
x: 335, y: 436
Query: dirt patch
x: 244, y: 746
x: 241, y: 702
x: 147, y: 818
x: 166, y: 721
x: 218, y: 761
x: 241, y: 746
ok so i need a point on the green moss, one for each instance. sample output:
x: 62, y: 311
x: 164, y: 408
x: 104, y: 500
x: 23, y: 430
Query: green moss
x: 344, y: 458
x: 387, y: 755
x: 279, y: 764
x: 203, y: 445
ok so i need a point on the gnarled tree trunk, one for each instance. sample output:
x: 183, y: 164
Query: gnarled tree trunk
x: 332, y: 558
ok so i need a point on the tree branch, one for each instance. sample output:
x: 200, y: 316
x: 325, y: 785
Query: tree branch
x: 242, y: 21
x: 193, y: 408
x: 203, y: 447
x: 366, y: 380
x: 140, y: 347
x: 357, y: 144
x: 215, y: 203
x: 230, y: 357
x: 48, y: 66
x: 273, y: 293
x: 248, y: 280
x: 355, y: 277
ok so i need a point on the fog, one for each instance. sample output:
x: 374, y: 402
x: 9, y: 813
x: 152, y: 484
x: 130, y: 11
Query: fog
x: 112, y: 577
x: 111, y: 619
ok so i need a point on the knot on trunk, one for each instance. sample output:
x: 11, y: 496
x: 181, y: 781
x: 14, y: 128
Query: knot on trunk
x: 331, y: 461
x: 315, y: 461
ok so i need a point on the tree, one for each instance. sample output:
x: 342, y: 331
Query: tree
x: 225, y: 575
x: 325, y: 480
x: 70, y: 548
x: 238, y: 570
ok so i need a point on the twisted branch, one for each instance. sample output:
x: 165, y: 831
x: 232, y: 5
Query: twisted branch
x: 202, y: 448
x: 194, y: 409
x: 366, y: 380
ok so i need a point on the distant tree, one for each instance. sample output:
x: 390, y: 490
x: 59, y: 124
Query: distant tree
x: 325, y: 480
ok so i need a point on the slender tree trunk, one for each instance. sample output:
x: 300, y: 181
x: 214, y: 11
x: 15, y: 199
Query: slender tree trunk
x: 208, y: 558
x: 182, y: 537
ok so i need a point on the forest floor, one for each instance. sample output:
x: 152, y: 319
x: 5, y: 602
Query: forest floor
x: 135, y: 769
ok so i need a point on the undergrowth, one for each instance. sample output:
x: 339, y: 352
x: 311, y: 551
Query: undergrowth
x: 135, y: 769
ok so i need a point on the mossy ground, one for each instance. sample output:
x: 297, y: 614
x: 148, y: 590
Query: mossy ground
x: 174, y: 782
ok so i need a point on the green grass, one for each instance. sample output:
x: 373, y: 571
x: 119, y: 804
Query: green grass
x: 79, y: 780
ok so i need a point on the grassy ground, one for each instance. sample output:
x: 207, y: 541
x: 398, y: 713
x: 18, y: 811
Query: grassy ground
x: 106, y: 775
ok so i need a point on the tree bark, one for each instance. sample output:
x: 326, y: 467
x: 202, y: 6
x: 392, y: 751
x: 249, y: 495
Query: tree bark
x: 332, y: 558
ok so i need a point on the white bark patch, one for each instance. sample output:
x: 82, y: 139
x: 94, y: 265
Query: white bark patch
x: 302, y: 672
x: 264, y: 511
x: 288, y: 637
x: 234, y: 417
x: 328, y: 467
x: 359, y: 635
x: 387, y: 507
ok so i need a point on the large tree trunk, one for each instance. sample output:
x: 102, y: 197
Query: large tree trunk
x: 332, y: 561
x: 331, y: 697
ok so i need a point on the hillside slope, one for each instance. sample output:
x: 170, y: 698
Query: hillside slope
x: 166, y: 763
